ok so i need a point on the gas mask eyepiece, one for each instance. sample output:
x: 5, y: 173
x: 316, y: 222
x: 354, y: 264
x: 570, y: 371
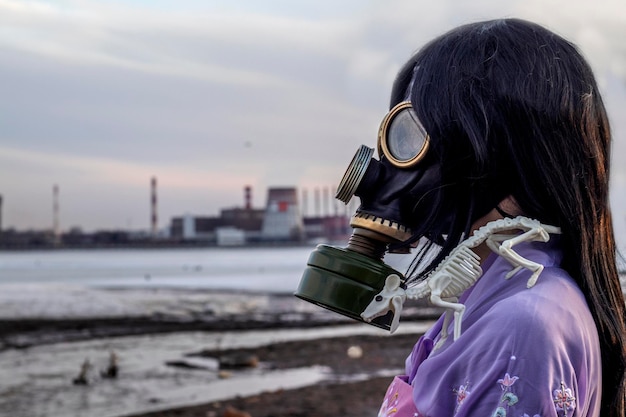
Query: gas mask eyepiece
x: 402, y: 140
x: 401, y: 137
x: 346, y: 280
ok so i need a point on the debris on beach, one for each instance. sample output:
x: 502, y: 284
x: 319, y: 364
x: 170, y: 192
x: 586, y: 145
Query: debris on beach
x: 112, y: 368
x: 233, y: 412
x: 239, y: 360
x: 355, y: 352
x: 223, y: 363
x: 224, y: 374
x: 82, y: 378
x: 210, y: 364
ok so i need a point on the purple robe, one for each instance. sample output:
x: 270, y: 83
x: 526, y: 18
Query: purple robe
x: 523, y: 352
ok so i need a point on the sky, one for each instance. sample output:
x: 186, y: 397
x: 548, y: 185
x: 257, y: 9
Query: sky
x: 210, y: 96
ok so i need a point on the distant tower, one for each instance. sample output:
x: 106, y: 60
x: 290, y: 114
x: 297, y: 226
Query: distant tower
x: 0, y: 212
x: 317, y: 203
x: 248, y: 197
x: 55, y: 212
x: 153, y: 205
x: 305, y: 202
x: 326, y: 210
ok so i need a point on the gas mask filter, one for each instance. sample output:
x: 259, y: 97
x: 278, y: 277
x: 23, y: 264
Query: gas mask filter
x: 346, y: 280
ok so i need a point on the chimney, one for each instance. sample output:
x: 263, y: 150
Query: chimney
x: 305, y: 202
x: 56, y: 233
x: 153, y: 206
x: 317, y: 203
x: 248, y: 197
x: 326, y: 202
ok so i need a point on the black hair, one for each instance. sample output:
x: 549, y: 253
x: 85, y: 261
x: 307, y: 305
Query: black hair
x: 513, y: 109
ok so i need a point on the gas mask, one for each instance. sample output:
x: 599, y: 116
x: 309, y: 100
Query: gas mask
x: 396, y: 196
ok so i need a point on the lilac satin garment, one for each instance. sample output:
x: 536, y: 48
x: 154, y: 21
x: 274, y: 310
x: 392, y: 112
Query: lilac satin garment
x: 522, y: 352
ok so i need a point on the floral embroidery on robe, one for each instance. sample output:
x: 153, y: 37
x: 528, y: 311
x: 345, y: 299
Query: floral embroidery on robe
x: 511, y: 348
x: 564, y: 400
x: 461, y: 395
x: 508, y: 398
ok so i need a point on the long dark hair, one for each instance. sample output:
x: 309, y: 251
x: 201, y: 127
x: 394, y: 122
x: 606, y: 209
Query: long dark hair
x: 514, y: 109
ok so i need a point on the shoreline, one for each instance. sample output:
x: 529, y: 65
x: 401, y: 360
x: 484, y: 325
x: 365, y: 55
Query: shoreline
x: 354, y: 386
x: 145, y: 312
x: 350, y: 399
x: 319, y: 376
x: 296, y: 372
x: 28, y: 333
x: 48, y: 332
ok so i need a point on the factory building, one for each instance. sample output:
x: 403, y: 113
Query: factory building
x: 234, y: 226
x: 245, y: 223
x: 280, y: 221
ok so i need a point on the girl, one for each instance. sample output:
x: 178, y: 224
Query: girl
x: 517, y: 127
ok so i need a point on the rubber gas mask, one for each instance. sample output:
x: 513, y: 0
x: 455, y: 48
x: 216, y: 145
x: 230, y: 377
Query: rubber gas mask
x: 395, y: 193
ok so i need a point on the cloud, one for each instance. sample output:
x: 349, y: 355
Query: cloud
x: 121, y: 173
x: 211, y: 96
x: 214, y: 47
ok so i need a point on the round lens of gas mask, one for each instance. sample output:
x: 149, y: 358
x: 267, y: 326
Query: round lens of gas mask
x: 402, y: 138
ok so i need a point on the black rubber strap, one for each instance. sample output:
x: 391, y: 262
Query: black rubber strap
x: 503, y: 213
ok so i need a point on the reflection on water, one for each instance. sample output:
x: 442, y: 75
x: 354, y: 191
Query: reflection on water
x: 38, y: 381
x: 276, y: 270
x: 258, y: 269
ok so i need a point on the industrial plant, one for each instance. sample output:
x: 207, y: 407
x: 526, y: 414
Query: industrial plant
x: 286, y: 218
x: 281, y: 220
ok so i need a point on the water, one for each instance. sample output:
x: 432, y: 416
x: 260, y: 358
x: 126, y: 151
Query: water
x: 255, y: 269
x: 258, y: 269
x: 175, y: 282
x: 180, y: 282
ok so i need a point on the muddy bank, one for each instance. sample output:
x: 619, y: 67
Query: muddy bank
x: 352, y: 388
x: 356, y: 399
x: 38, y: 381
x: 19, y: 334
x: 180, y: 311
x: 301, y: 350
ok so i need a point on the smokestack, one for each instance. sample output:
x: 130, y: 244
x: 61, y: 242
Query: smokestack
x: 248, y: 197
x: 326, y: 201
x: 153, y: 205
x: 317, y: 202
x: 55, y: 212
x: 0, y: 213
x: 305, y: 202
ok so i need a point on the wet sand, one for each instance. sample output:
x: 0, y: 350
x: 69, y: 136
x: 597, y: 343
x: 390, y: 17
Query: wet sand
x: 357, y: 399
x: 297, y: 345
x: 343, y: 384
x: 353, y: 390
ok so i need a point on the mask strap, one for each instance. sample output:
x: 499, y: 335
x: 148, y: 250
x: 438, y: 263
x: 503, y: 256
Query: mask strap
x: 407, y: 93
x: 503, y: 213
